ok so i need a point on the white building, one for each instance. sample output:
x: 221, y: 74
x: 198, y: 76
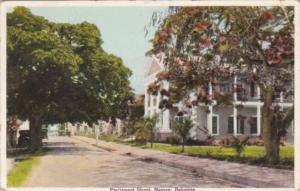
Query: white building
x: 242, y: 118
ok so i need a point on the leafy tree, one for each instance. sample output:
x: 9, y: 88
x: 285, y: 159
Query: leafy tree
x: 135, y: 115
x: 59, y: 73
x: 182, y: 129
x: 205, y: 45
x: 150, y: 123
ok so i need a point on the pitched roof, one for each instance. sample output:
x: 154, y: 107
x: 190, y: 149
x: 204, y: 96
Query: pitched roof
x: 153, y: 67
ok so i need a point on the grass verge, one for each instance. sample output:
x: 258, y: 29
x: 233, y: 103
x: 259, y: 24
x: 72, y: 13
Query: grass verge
x: 21, y: 172
x: 253, y: 155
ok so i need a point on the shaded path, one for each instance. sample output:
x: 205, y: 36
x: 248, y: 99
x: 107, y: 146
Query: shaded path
x: 73, y: 163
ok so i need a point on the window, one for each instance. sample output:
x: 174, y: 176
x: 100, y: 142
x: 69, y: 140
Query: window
x: 225, y: 87
x: 215, y: 125
x: 230, y: 125
x: 241, y: 125
x: 253, y: 125
x: 179, y: 118
x: 241, y: 91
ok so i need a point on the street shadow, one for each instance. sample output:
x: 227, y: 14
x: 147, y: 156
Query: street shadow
x: 59, y: 143
x: 69, y: 150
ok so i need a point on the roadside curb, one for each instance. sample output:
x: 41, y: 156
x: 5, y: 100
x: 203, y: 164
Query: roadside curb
x: 242, y: 179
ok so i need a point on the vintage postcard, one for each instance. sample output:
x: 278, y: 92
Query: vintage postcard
x: 149, y: 96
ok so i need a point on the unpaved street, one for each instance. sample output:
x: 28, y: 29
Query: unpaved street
x: 72, y: 163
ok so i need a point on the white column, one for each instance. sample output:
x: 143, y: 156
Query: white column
x: 281, y: 97
x: 166, y: 121
x: 158, y: 98
x: 281, y: 100
x: 166, y: 113
x: 194, y: 119
x: 258, y: 114
x: 234, y: 107
x: 151, y: 105
x: 234, y: 86
x: 258, y: 118
x: 210, y: 107
x: 146, y: 103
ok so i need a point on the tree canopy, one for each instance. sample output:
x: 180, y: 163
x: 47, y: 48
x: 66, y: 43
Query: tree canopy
x: 209, y: 45
x: 58, y: 72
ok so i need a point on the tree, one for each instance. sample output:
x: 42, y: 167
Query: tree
x: 149, y: 124
x: 182, y: 129
x: 59, y: 73
x: 135, y: 114
x: 239, y: 145
x: 204, y: 45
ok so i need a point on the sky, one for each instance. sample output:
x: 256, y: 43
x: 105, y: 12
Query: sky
x: 122, y: 30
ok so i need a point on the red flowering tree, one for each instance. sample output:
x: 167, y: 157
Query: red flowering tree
x: 206, y: 45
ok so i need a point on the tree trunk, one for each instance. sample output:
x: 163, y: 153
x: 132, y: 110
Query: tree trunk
x: 183, y: 143
x: 35, y: 135
x: 151, y: 139
x: 270, y: 132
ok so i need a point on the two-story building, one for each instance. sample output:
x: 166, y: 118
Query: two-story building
x: 242, y: 117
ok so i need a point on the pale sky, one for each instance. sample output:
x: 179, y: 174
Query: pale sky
x: 122, y: 30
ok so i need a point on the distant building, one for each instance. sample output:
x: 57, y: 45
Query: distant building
x: 14, y: 127
x: 103, y: 127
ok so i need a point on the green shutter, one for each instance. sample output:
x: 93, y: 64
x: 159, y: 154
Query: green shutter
x: 253, y: 125
x: 215, y: 125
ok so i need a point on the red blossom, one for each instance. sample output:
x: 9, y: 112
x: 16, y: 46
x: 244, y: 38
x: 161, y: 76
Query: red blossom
x: 267, y: 15
x: 222, y: 39
x: 234, y: 42
x: 205, y: 42
x: 201, y: 26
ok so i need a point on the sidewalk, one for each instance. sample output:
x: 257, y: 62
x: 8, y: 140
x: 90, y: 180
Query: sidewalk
x: 10, y: 163
x: 254, y: 176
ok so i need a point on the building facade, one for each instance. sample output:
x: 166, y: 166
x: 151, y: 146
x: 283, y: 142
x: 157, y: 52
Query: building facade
x: 241, y: 118
x: 101, y: 127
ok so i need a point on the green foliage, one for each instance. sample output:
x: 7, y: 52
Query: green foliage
x: 173, y: 139
x: 251, y: 154
x: 134, y: 117
x: 239, y: 145
x: 59, y: 73
x: 19, y: 174
x: 147, y: 130
x: 109, y: 138
x: 182, y: 129
x: 206, y: 45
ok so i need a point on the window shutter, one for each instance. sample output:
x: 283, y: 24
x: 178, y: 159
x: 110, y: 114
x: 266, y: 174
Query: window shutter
x: 230, y: 125
x: 253, y: 125
x: 215, y: 125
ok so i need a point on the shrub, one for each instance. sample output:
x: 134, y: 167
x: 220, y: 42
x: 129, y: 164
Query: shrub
x: 192, y: 141
x: 182, y: 129
x: 255, y: 141
x: 239, y: 145
x: 173, y: 140
x: 142, y: 135
x: 216, y: 142
x: 227, y: 141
